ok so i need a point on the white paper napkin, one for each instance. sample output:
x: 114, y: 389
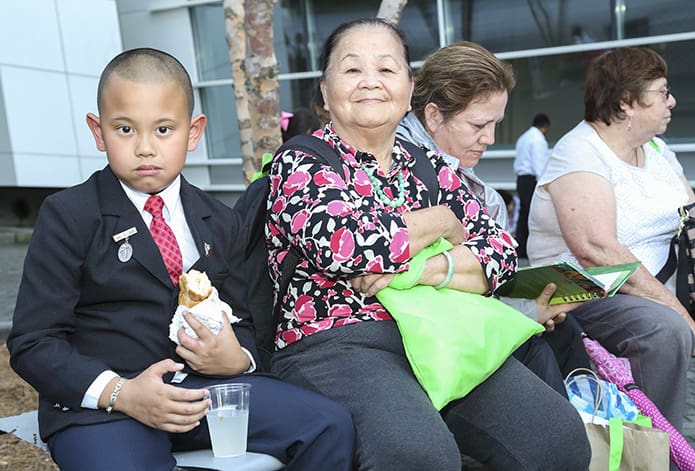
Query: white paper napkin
x: 208, y: 312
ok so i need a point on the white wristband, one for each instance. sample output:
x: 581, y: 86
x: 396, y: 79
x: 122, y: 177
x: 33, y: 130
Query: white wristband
x: 114, y: 394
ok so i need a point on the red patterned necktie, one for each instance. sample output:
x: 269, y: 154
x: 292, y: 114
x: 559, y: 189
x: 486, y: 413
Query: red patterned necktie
x: 164, y: 238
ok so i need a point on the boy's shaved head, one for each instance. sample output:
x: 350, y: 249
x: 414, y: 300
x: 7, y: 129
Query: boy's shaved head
x: 147, y: 65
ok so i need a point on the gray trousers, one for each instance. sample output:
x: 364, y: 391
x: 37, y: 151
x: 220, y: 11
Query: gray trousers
x: 513, y: 421
x: 655, y: 339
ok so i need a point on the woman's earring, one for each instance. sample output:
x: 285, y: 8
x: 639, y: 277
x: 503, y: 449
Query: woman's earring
x: 629, y: 123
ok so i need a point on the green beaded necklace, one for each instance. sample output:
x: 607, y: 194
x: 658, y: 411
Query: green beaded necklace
x: 394, y: 203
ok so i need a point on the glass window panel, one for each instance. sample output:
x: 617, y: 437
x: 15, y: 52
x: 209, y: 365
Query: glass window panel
x: 508, y: 25
x: 329, y: 14
x: 222, y: 131
x: 419, y: 23
x: 308, y: 23
x: 299, y: 51
x: 649, y: 18
x: 681, y: 76
x: 555, y: 85
x: 212, y: 54
x: 550, y: 84
x: 298, y: 94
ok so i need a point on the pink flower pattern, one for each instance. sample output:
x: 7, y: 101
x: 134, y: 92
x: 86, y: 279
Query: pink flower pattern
x: 342, y: 244
x: 342, y: 229
x: 296, y: 182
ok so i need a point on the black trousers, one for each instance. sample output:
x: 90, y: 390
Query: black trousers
x: 537, y: 355
x: 568, y: 346
x: 553, y: 355
x: 525, y: 185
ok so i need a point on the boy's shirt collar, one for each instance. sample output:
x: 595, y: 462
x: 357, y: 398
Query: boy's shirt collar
x: 171, y: 196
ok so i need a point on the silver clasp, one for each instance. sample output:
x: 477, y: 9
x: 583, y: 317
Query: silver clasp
x: 683, y: 213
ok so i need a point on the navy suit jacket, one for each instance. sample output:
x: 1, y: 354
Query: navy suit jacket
x: 81, y: 311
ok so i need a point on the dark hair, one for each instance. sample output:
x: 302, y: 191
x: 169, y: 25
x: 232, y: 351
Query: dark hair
x: 345, y: 28
x: 147, y: 65
x: 541, y: 120
x: 317, y: 104
x: 616, y: 76
x: 303, y: 120
x: 506, y: 196
x: 454, y: 76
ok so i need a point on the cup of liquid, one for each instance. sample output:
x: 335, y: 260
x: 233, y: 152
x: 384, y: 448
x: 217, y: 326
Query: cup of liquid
x: 228, y: 418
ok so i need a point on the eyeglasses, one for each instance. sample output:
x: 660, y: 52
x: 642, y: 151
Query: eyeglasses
x: 665, y: 92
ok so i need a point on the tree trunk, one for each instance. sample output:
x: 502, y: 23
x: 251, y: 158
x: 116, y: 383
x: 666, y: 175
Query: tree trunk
x: 249, y: 34
x: 262, y: 72
x: 235, y: 35
x: 391, y: 10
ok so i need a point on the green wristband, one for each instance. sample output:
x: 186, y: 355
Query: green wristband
x: 410, y: 278
x: 449, y: 273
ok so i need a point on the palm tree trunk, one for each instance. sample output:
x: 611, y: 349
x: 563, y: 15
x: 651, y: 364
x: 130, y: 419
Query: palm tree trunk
x: 262, y: 71
x: 249, y: 35
x: 391, y: 10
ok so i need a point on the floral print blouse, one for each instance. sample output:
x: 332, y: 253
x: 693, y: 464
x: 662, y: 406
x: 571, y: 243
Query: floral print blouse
x: 342, y: 229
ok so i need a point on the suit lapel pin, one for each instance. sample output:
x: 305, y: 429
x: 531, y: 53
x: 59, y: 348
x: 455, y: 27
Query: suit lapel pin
x: 125, y: 250
x: 208, y: 249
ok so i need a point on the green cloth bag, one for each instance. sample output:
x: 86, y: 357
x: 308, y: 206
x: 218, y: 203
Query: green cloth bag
x: 453, y: 340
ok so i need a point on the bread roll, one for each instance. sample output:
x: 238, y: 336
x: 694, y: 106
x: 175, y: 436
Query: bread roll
x: 195, y: 287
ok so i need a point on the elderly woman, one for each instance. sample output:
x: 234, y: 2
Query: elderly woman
x: 460, y: 95
x: 353, y: 232
x: 610, y: 195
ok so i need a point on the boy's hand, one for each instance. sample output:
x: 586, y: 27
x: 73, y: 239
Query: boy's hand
x: 147, y: 399
x: 212, y: 354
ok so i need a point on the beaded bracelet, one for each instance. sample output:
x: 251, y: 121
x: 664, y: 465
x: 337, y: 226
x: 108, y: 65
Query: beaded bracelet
x: 114, y: 394
x: 449, y: 273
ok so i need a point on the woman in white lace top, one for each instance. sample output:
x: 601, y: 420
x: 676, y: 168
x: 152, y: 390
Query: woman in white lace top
x: 609, y: 195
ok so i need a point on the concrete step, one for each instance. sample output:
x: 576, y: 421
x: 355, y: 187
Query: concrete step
x: 15, y: 235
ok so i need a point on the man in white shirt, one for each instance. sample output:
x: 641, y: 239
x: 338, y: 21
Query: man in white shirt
x: 530, y: 160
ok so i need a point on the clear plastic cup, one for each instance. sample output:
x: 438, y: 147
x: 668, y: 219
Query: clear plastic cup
x: 228, y: 418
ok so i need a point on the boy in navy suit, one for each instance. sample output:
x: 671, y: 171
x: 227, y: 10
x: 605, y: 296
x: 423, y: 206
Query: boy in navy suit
x: 90, y: 329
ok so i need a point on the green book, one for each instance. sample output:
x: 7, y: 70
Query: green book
x: 574, y: 283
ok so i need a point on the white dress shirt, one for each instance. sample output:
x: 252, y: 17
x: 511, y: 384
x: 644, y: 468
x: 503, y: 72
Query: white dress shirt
x: 531, y: 153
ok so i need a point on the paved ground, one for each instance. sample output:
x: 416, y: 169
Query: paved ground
x: 11, y: 261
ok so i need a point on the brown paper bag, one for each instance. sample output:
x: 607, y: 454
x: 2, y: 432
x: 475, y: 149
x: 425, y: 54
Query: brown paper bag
x: 643, y: 448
